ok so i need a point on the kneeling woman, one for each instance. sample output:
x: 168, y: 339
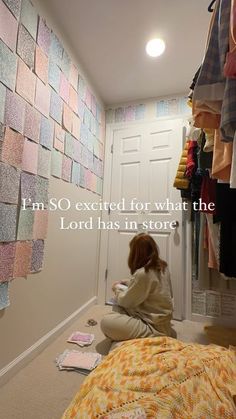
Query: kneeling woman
x: 144, y: 308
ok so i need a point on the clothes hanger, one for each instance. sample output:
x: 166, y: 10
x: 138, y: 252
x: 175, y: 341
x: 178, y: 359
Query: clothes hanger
x: 210, y: 9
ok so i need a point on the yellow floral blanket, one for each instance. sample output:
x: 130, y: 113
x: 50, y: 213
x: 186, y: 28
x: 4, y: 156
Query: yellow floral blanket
x: 163, y: 377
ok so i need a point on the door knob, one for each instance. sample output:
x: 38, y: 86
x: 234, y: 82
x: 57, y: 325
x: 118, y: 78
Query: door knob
x: 175, y: 224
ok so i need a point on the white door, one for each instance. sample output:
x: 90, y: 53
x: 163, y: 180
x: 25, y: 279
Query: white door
x: 145, y: 161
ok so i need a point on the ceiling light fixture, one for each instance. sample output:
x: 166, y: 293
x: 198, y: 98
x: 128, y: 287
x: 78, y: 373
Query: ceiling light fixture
x: 155, y: 47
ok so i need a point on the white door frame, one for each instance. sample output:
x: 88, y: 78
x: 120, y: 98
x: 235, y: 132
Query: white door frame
x: 104, y: 240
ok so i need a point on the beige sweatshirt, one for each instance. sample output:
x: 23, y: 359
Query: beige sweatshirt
x: 148, y: 297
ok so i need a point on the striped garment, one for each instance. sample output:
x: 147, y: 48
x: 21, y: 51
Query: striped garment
x: 211, y: 84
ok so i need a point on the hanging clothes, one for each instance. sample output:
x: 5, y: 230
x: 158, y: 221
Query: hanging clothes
x: 181, y: 181
x: 225, y: 206
x: 222, y: 158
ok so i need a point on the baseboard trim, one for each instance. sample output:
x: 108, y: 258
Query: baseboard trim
x: 14, y: 366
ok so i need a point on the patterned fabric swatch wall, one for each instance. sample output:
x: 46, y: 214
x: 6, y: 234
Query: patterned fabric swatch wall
x: 51, y: 124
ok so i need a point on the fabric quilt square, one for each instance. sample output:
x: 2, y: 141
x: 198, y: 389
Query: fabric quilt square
x: 66, y: 168
x: 8, y: 27
x: 14, y: 6
x: 64, y: 88
x: 9, y: 184
x: 40, y: 225
x: 44, y: 162
x: 73, y: 99
x: 12, y: 148
x: 75, y: 173
x: 15, y: 111
x: 28, y: 188
x: 54, y: 76
x: 82, y: 89
x: 3, y: 92
x: 42, y: 97
x: 76, y: 126
x: 44, y: 36
x: 25, y: 82
x: 26, y: 46
x: 46, y: 133
x: 66, y: 63
x: 29, y: 17
x: 41, y: 64
x: 32, y: 123
x: 42, y: 187
x: 4, y: 295
x: 56, y: 164
x: 8, y: 217
x: 56, y: 49
x: 82, y: 176
x: 7, y: 255
x: 37, y: 256
x: 81, y: 107
x: 69, y: 145
x: 77, y: 150
x: 23, y: 257
x: 8, y: 64
x: 25, y: 224
x: 88, y: 98
x: 56, y: 105
x: 67, y: 118
x: 59, y: 138
x: 74, y: 76
x: 30, y: 157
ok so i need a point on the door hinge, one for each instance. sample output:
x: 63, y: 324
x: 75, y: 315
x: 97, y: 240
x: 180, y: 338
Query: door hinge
x: 106, y: 274
x: 112, y: 148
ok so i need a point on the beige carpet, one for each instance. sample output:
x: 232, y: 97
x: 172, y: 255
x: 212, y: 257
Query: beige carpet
x: 40, y: 391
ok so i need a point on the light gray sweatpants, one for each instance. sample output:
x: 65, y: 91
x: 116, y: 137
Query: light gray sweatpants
x: 118, y: 326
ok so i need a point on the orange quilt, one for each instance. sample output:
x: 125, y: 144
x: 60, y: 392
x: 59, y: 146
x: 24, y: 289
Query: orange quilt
x: 162, y: 376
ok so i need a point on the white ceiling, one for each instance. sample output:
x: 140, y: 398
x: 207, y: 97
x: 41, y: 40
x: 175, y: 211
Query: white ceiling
x: 109, y: 37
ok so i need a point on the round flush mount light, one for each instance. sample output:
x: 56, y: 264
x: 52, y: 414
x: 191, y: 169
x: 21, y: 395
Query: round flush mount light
x: 155, y: 47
